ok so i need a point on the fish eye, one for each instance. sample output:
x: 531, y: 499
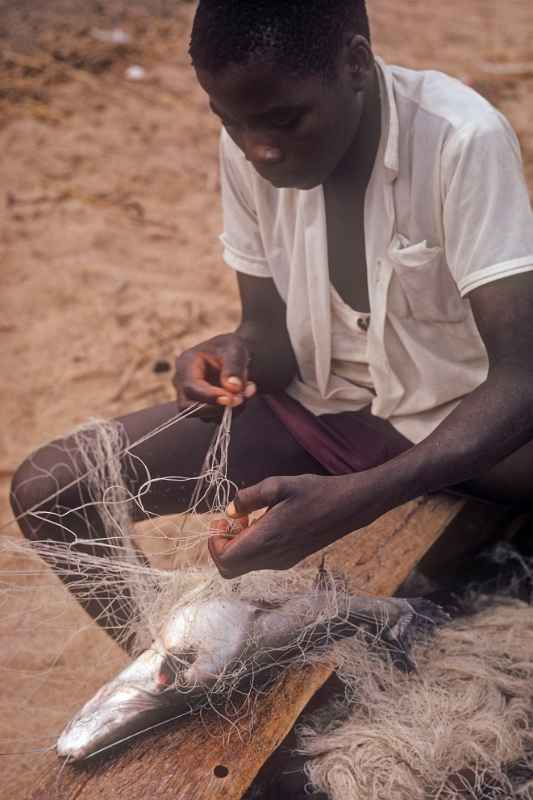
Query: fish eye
x: 167, y: 674
x: 173, y: 665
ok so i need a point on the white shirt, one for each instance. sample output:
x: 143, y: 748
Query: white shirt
x: 349, y: 348
x: 446, y: 210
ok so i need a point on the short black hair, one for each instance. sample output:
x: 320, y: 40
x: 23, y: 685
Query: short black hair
x: 301, y: 36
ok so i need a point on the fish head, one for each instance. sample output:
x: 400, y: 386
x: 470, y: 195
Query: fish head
x: 204, y: 641
x: 196, y: 646
x: 140, y: 696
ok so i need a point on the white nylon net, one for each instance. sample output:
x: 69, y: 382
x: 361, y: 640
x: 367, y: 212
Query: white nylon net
x: 74, y: 656
x: 58, y: 657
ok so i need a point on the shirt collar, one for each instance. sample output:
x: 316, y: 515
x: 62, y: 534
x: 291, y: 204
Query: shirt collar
x: 389, y: 122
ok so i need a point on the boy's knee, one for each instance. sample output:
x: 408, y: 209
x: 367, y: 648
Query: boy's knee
x: 28, y: 494
x: 35, y: 488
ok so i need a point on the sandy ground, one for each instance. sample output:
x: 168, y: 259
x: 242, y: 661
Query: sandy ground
x: 110, y: 259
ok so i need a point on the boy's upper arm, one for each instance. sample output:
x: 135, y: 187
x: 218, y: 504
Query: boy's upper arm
x: 488, y: 222
x: 503, y: 311
x: 243, y: 244
x: 261, y: 302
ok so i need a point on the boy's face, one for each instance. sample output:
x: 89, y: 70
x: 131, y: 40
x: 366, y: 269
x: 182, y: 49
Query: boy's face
x: 294, y: 130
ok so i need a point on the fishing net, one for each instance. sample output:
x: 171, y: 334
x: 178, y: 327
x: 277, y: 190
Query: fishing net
x: 112, y: 570
x: 60, y: 657
x: 53, y: 652
x: 462, y: 727
x: 472, y: 690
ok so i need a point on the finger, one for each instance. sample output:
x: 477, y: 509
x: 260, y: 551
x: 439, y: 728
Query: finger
x: 234, y: 372
x: 230, y: 402
x: 181, y: 401
x: 199, y: 383
x: 196, y: 378
x: 246, y: 552
x: 223, y: 532
x: 265, y: 494
x: 195, y: 365
x: 219, y: 548
x: 250, y: 390
x: 204, y: 392
x: 228, y: 529
x: 232, y: 511
x: 232, y: 384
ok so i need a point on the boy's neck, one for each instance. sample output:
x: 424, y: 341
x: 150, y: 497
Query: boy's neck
x: 356, y: 166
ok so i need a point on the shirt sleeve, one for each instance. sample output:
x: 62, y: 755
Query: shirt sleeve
x: 242, y: 241
x: 488, y: 222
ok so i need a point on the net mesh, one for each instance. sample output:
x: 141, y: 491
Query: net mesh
x: 111, y: 570
x: 58, y: 657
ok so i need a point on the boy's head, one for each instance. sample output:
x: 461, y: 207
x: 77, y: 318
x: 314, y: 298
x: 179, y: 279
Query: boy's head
x: 288, y: 80
x: 301, y: 37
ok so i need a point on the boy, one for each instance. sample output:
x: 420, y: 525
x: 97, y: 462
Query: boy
x: 382, y: 234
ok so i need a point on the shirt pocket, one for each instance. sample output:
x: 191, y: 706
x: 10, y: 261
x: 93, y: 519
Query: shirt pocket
x: 424, y: 289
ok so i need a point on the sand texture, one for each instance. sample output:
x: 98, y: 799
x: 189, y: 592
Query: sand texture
x: 110, y: 261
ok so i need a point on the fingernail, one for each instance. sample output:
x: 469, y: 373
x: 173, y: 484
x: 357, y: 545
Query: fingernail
x: 231, y: 511
x: 250, y: 390
x: 224, y: 401
x: 236, y: 382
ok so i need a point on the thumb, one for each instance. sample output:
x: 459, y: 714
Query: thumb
x: 235, y: 359
x: 254, y: 498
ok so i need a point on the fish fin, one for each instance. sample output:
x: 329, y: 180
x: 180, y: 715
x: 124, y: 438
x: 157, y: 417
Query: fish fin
x: 200, y: 675
x: 206, y: 670
x: 425, y: 617
x: 268, y: 605
x: 418, y: 619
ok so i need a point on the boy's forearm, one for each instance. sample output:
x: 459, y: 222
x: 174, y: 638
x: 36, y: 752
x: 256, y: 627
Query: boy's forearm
x: 486, y: 427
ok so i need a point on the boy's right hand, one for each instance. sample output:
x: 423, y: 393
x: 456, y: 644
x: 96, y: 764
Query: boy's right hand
x: 214, y: 372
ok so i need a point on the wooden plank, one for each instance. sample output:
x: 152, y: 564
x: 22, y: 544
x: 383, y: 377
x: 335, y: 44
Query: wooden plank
x: 181, y: 761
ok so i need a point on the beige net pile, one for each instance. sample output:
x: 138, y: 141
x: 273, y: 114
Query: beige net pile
x: 461, y: 727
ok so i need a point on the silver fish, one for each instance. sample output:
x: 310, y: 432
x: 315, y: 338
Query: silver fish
x: 203, y: 643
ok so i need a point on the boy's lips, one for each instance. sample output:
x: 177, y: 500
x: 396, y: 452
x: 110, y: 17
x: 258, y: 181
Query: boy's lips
x: 283, y: 178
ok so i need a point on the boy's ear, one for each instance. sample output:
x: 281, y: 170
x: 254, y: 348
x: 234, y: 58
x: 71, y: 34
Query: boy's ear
x: 359, y: 60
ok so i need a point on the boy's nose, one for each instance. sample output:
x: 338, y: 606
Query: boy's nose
x: 261, y: 153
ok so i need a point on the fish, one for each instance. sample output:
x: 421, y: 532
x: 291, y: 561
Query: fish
x: 204, y: 643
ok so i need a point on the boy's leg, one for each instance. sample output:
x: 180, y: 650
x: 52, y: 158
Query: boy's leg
x: 259, y: 448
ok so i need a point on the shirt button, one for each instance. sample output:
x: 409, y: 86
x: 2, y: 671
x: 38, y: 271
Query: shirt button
x: 363, y: 323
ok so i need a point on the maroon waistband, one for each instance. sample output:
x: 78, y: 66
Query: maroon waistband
x: 342, y: 443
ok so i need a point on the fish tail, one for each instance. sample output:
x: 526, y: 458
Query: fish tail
x: 418, y: 620
x: 427, y: 616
